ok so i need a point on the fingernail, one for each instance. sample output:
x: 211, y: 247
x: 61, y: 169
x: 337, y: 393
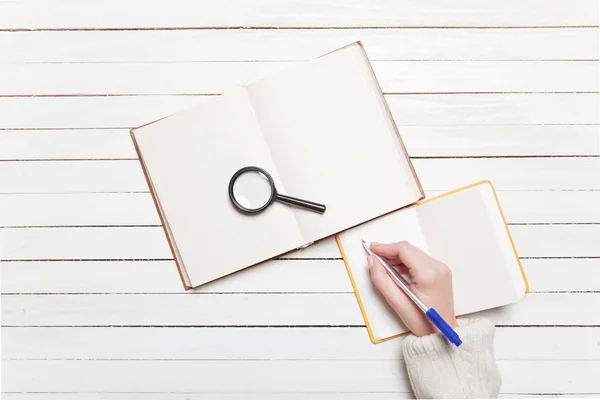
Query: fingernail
x: 370, y: 261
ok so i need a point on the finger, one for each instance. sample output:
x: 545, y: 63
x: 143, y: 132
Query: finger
x: 392, y: 293
x: 392, y: 261
x: 401, y: 269
x: 412, y: 257
x: 387, y: 251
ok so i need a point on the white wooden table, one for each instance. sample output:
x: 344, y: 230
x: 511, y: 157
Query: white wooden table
x: 92, y: 306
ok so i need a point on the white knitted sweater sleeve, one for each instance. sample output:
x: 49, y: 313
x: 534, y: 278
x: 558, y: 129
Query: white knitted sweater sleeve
x: 438, y: 369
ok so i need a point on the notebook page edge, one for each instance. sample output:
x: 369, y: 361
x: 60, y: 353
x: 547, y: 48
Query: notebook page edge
x: 363, y: 312
x: 494, y: 208
x: 404, y: 153
x: 185, y: 280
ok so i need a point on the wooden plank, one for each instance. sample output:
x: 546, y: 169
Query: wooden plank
x: 201, y: 396
x: 74, y: 209
x: 84, y: 243
x: 277, y: 276
x: 84, y: 112
x: 510, y: 174
x: 217, y: 77
x: 563, y: 275
x: 556, y: 240
x: 421, y: 141
x: 195, y: 309
x: 434, y: 109
x: 149, y: 243
x: 135, y: 209
x: 374, y: 376
x: 517, y: 140
x: 112, y: 243
x: 297, y: 44
x: 250, y: 396
x: 562, y: 206
x: 72, y: 176
x: 270, y: 344
x: 498, y: 109
x: 35, y: 14
x: 435, y: 175
x: 187, y: 309
x: 552, y: 395
x: 67, y: 144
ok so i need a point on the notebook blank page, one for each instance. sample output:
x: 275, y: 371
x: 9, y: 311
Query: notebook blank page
x: 190, y: 157
x: 470, y: 237
x: 333, y: 141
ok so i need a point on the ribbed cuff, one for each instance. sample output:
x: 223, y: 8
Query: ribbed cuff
x: 438, y: 369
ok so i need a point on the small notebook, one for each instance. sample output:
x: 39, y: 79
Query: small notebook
x: 321, y: 129
x: 466, y: 230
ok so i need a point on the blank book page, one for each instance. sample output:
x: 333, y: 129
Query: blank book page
x: 333, y: 141
x: 461, y: 232
x: 190, y: 157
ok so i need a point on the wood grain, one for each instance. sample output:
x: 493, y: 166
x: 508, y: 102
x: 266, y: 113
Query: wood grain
x: 193, y: 45
x: 110, y: 243
x: 271, y: 344
x: 311, y: 376
x: 254, y: 396
x: 35, y: 14
x: 218, y: 77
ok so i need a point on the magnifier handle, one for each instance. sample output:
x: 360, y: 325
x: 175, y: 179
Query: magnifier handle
x: 309, y: 205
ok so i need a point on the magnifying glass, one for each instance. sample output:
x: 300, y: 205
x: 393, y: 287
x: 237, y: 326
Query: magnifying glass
x: 251, y: 190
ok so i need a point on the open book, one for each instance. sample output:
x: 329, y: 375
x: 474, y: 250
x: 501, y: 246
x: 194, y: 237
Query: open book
x: 321, y: 129
x: 466, y: 230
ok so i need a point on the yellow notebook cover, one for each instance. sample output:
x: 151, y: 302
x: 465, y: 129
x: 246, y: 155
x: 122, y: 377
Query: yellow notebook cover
x: 372, y: 336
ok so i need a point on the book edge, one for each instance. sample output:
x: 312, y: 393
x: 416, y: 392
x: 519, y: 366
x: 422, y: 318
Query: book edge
x: 395, y: 127
x: 158, y: 209
x: 523, y: 275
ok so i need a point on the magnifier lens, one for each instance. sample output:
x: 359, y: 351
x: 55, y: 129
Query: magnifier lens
x: 252, y: 190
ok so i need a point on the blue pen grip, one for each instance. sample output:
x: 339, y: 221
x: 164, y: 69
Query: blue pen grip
x: 443, y: 326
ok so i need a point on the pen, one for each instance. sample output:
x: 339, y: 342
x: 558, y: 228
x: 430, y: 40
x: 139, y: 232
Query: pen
x: 433, y: 315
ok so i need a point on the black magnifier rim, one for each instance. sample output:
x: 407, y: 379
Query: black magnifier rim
x: 241, y: 207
